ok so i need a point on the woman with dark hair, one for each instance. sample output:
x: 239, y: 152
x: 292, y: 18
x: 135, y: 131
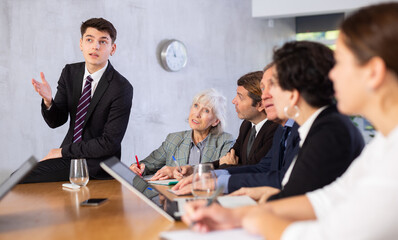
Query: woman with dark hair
x: 302, y: 90
x: 363, y: 203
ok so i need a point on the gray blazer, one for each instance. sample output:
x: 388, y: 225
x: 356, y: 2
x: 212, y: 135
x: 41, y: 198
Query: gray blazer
x: 178, y: 145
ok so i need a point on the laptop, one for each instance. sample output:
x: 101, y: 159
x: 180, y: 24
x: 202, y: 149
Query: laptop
x: 17, y: 176
x: 170, y: 209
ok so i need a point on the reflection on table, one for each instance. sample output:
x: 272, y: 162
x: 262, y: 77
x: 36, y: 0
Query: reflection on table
x: 47, y: 211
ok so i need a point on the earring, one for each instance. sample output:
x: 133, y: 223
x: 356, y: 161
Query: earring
x: 289, y: 113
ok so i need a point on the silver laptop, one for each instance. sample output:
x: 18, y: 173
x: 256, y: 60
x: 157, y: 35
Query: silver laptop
x: 17, y: 176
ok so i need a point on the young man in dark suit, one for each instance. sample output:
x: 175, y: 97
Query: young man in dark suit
x: 272, y: 167
x: 98, y: 100
x: 255, y: 125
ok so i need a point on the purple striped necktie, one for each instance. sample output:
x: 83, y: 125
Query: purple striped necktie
x: 81, y: 111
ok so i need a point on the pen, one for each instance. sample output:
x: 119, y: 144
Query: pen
x: 210, y: 201
x: 178, y: 165
x: 138, y: 164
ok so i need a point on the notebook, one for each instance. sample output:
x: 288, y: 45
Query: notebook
x: 17, y: 176
x: 167, y: 182
x: 230, y: 234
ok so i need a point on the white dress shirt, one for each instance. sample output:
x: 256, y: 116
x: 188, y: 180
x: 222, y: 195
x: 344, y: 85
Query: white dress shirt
x: 259, y: 125
x: 361, y: 204
x: 303, y: 132
x: 95, y: 76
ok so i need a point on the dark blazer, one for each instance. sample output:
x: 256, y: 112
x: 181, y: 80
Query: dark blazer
x: 106, y: 120
x: 268, y: 172
x: 332, y: 143
x: 261, y: 145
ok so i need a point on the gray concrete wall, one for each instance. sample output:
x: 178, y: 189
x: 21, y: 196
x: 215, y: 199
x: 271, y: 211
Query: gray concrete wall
x: 223, y: 42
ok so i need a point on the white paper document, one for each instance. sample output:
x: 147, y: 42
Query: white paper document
x: 235, y: 201
x: 215, y: 235
x: 147, y: 177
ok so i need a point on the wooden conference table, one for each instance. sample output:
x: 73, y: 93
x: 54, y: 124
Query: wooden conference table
x: 47, y: 211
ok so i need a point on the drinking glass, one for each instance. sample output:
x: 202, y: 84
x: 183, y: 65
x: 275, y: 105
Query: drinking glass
x: 204, y: 180
x: 78, y: 172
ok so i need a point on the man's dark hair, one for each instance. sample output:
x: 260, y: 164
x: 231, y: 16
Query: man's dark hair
x: 251, y: 82
x: 101, y: 25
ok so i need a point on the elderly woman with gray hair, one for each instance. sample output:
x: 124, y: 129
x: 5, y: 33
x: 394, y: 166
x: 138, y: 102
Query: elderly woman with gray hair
x: 205, y: 142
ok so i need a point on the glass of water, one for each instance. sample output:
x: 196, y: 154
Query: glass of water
x: 78, y: 172
x: 204, y: 180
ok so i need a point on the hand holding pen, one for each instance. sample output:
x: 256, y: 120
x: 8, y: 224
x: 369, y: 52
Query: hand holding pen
x: 176, y: 163
x: 137, y: 168
x: 178, y: 172
x: 138, y: 164
x: 197, y: 213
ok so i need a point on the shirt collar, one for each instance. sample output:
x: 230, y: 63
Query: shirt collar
x: 259, y: 125
x: 97, y: 75
x: 305, y: 128
x: 201, y: 144
x: 289, y: 123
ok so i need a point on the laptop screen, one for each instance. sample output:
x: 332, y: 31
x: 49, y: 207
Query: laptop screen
x: 140, y: 187
x: 136, y: 181
x: 17, y: 176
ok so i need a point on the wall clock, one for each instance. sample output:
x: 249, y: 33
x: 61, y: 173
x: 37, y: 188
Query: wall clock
x: 174, y: 55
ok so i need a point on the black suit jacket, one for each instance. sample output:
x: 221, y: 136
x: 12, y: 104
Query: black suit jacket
x: 268, y: 172
x: 261, y: 145
x: 106, y: 120
x: 332, y: 143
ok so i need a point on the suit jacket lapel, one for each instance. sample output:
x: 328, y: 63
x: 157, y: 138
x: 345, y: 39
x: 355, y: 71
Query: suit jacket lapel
x: 77, y: 79
x: 258, y: 138
x: 182, y: 152
x: 99, y: 91
x: 243, y: 150
x: 209, y: 150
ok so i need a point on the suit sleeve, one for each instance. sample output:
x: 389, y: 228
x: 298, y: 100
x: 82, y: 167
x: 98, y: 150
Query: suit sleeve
x: 241, y: 138
x: 236, y: 146
x: 156, y: 160
x: 254, y: 175
x: 57, y: 115
x: 226, y: 145
x: 325, y: 155
x: 262, y: 166
x: 109, y: 142
x: 237, y: 181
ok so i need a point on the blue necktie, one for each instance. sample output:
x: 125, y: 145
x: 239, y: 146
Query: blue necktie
x: 282, y: 145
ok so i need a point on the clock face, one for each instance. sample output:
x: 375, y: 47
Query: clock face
x: 174, y: 56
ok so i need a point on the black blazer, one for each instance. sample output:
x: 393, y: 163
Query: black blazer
x: 106, y: 120
x: 268, y: 172
x: 332, y: 143
x: 261, y: 145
